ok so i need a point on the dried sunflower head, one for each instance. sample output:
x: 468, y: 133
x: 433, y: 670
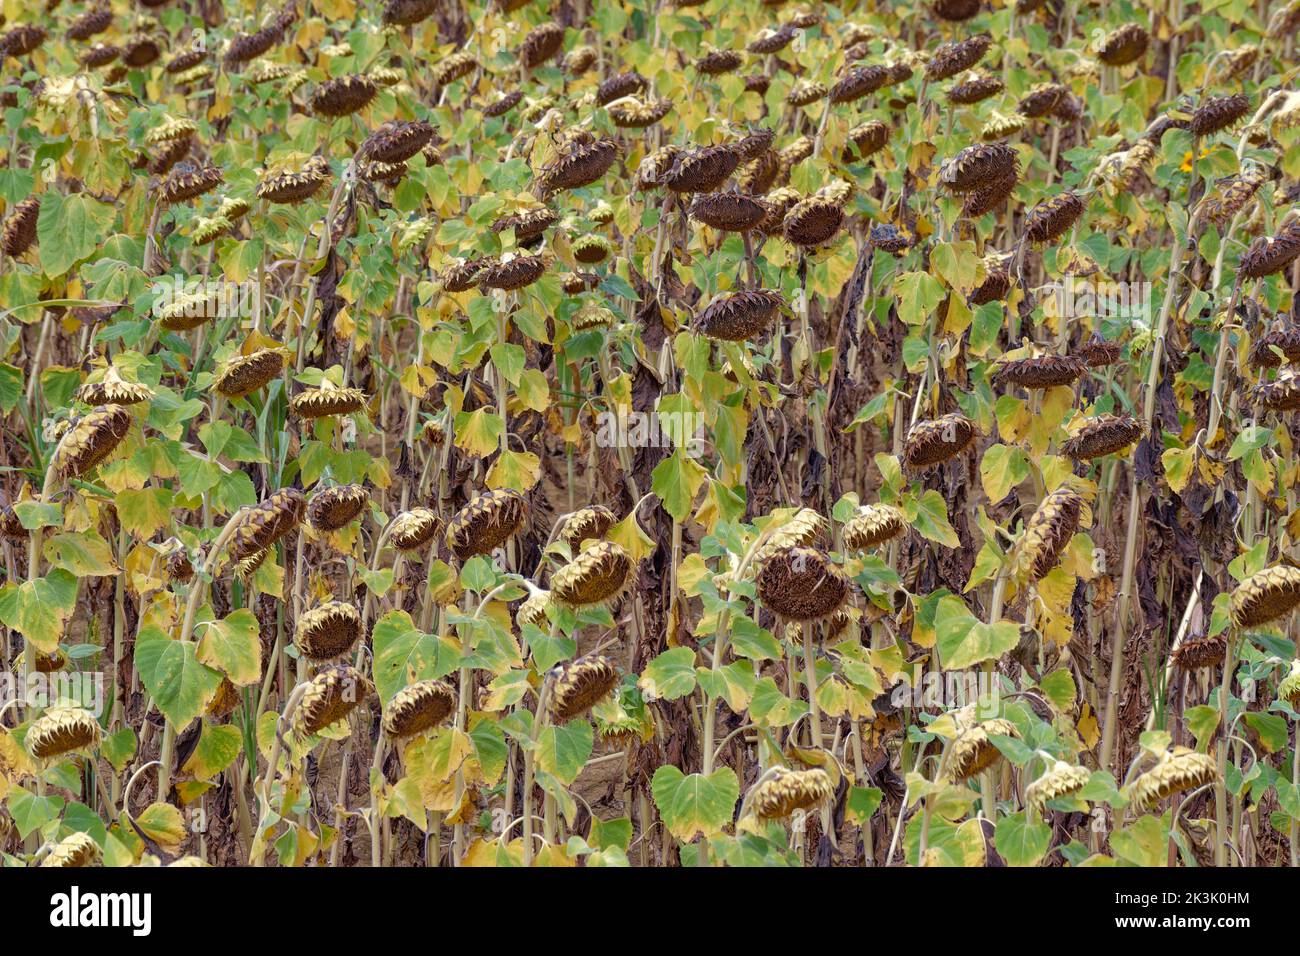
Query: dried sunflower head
x: 245, y: 374
x: 1122, y: 46
x: 955, y: 10
x: 812, y: 222
x: 620, y: 85
x: 702, y: 170
x: 292, y: 187
x: 1281, y: 395
x: 1230, y: 197
x: 579, y: 60
x: 873, y: 525
x: 580, y: 685
x: 1102, y: 435
x: 187, y: 181
x: 865, y: 139
x: 1177, y: 770
x: 975, y: 88
x: 1218, y: 113
x: 408, y: 12
x: 179, y: 567
x: 74, y: 851
x: 511, y: 274
x: 979, y: 165
x: 632, y: 112
x: 454, y: 67
x: 330, y: 696
x: 343, y: 96
x: 486, y: 523
x: 1289, y: 688
x: 1061, y: 780
x: 1042, y: 99
x: 783, y: 792
x: 413, y: 529
x: 738, y: 316
x: 598, y: 575
x: 332, y: 508
x: 859, y: 82
x: 263, y: 524
x: 729, y: 212
x: 533, y: 610
x: 90, y: 440
x: 503, y: 104
x: 805, y: 92
x: 1000, y: 127
x: 90, y: 23
x: 957, y: 56
x: 1267, y: 255
x: 1052, y: 217
x: 1266, y: 596
x: 589, y: 522
x: 996, y: 284
x: 1199, y: 653
x: 20, y: 229
x: 973, y: 751
x: 542, y: 43
x: 328, y: 631
x: 62, y: 730
x: 112, y: 389
x: 327, y: 399
x: 801, y: 584
x: 1049, y: 531
x: 717, y: 62
x: 418, y: 707
x: 582, y: 165
x: 937, y: 440
x: 1040, y: 371
x: 592, y: 249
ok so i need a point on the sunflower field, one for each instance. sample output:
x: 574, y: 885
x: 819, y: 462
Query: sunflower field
x: 649, y: 433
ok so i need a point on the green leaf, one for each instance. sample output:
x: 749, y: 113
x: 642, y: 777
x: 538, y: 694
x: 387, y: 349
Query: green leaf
x: 404, y: 654
x: 608, y: 833
x: 181, y: 685
x: 1021, y: 842
x: 84, y: 554
x: 964, y: 641
x: 929, y: 515
x: 676, y: 480
x: 1272, y: 731
x: 670, y: 675
x: 1059, y: 688
x: 1143, y: 843
x: 31, y: 812
x: 695, y: 804
x: 232, y: 646
x: 479, y: 432
x: 563, y: 751
x: 1001, y: 469
x: 70, y: 228
x: 119, y: 748
x: 862, y: 804
x: 39, y: 609
x: 218, y: 746
x: 145, y: 511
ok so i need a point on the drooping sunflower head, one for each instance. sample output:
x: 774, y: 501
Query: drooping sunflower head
x: 330, y: 697
x: 74, y: 851
x: 1061, y: 780
x: 62, y: 730
x: 112, y: 389
x: 801, y: 584
x: 332, y: 508
x: 413, y: 529
x: 598, y: 575
x: 1266, y: 596
x: 486, y: 522
x: 874, y: 525
x: 1177, y: 770
x: 418, y: 707
x: 245, y: 374
x: 973, y: 751
x: 786, y: 791
x: 263, y: 524
x: 580, y: 685
x: 590, y: 522
x: 327, y: 399
x: 328, y: 631
x: 90, y: 440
